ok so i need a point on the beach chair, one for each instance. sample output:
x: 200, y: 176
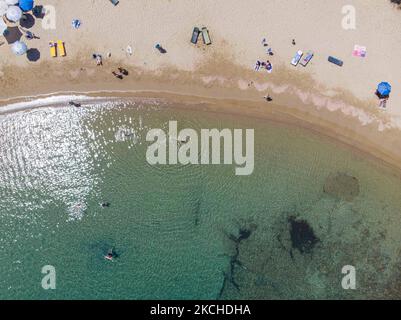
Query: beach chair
x: 195, y: 35
x: 53, y: 49
x: 307, y: 58
x: 296, y: 58
x: 336, y: 61
x: 61, y: 48
x: 205, y: 36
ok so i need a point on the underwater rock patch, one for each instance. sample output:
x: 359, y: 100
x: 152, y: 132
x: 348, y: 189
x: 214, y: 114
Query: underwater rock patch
x: 302, y: 236
x: 342, y: 186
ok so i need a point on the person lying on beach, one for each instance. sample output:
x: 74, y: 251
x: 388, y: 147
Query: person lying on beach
x: 257, y: 65
x: 270, y: 52
x: 264, y: 42
x: 123, y: 71
x: 293, y: 42
x: 117, y: 75
x: 268, y: 98
x: 268, y: 65
x: 30, y: 36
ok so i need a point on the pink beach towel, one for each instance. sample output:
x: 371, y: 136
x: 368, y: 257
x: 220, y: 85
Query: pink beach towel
x: 359, y: 51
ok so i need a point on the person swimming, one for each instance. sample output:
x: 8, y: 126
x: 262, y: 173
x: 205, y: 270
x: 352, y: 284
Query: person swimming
x: 72, y: 103
x: 110, y: 254
x: 105, y: 204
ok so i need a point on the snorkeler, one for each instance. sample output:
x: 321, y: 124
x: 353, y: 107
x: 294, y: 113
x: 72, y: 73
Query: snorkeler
x: 105, y: 204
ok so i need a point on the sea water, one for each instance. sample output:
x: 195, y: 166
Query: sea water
x: 310, y: 207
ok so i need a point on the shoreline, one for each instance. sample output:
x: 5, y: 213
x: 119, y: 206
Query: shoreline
x: 336, y: 102
x: 262, y: 111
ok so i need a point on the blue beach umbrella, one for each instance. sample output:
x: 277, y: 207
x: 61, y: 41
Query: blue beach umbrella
x: 19, y: 48
x: 26, y: 5
x: 384, y: 89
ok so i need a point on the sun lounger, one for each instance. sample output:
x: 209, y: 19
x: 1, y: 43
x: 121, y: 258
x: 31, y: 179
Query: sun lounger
x: 205, y: 36
x: 61, y: 48
x: 53, y: 49
x: 195, y: 35
x: 307, y: 58
x: 335, y: 61
x: 296, y: 58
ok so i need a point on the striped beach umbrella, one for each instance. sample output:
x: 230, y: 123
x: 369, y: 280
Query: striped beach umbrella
x: 14, y: 13
x: 19, y: 48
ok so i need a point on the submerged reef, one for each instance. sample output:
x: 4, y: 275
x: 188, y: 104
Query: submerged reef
x: 342, y: 186
x: 302, y: 236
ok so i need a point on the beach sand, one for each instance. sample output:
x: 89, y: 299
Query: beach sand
x: 338, y: 102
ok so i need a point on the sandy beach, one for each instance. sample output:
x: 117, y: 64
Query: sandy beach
x: 338, y: 101
x: 82, y: 194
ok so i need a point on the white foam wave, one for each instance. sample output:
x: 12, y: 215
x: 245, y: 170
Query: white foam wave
x: 41, y: 102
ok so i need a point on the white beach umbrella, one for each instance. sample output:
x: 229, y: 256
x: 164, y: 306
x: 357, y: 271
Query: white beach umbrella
x: 3, y: 8
x: 19, y: 48
x: 14, y: 13
x: 12, y: 2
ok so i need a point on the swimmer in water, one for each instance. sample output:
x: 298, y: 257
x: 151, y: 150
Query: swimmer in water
x: 110, y: 254
x: 72, y: 103
x: 105, y: 204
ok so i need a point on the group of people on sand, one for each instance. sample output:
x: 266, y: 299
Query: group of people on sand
x: 266, y: 65
x: 121, y: 73
x: 261, y: 64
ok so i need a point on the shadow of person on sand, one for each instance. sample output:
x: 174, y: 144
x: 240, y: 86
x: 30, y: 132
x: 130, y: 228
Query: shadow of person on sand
x: 33, y: 54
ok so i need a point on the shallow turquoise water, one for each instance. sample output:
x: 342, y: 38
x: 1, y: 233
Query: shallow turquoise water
x: 171, y: 225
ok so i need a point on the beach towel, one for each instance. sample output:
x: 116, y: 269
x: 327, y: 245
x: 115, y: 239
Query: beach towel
x: 53, y: 49
x: 76, y: 23
x: 359, y: 51
x: 61, y: 48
